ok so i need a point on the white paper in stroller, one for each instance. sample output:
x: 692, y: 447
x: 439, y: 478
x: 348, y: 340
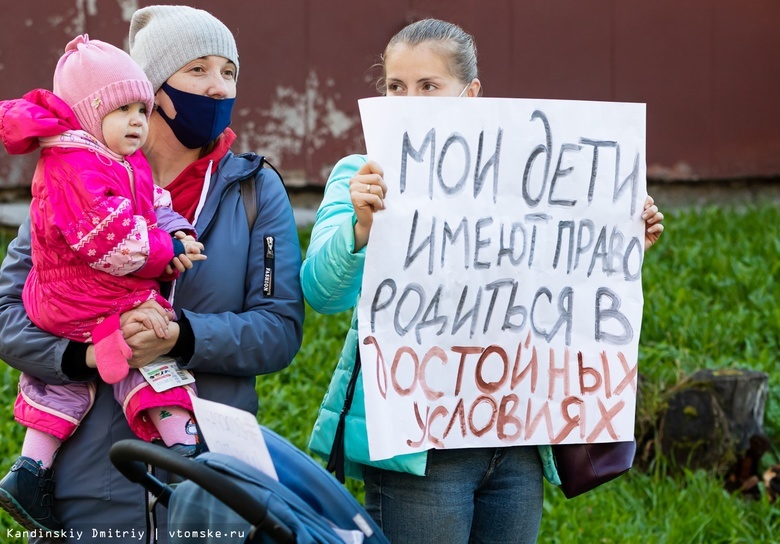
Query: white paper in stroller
x: 233, y: 432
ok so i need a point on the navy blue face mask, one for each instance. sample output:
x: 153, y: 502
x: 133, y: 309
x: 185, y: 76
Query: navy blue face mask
x: 199, y: 119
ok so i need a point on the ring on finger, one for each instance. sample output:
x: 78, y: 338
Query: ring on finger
x: 368, y: 188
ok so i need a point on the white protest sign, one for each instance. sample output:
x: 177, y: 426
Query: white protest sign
x: 233, y: 432
x: 502, y: 298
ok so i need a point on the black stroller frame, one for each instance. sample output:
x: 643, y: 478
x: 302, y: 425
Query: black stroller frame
x: 306, y: 505
x: 132, y: 456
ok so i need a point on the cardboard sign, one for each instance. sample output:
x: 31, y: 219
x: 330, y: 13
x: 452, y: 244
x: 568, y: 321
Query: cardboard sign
x: 502, y: 297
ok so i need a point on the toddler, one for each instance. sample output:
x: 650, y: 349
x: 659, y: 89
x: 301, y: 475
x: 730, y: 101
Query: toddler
x: 103, y: 236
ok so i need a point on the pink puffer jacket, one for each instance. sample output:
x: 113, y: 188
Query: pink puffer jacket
x: 97, y: 250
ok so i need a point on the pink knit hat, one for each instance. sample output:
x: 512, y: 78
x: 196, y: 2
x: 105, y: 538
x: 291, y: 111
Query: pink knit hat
x: 94, y: 78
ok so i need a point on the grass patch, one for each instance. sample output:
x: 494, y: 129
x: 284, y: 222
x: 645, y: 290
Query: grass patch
x: 711, y: 301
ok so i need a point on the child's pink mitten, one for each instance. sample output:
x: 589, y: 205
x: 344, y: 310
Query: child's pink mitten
x: 111, y: 350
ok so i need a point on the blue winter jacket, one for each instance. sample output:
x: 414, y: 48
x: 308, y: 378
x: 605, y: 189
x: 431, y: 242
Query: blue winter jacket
x: 331, y: 277
x: 240, y: 332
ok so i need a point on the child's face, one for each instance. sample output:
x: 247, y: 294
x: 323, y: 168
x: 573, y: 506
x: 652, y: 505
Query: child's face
x: 420, y: 70
x: 125, y: 129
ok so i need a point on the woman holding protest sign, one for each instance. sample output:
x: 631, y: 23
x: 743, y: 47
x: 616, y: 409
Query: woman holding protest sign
x: 452, y: 496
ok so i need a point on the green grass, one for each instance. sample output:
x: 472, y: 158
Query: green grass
x: 642, y: 508
x: 712, y: 300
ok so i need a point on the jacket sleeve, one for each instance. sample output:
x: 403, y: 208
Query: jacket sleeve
x: 23, y: 345
x: 332, y: 273
x: 267, y: 334
x: 167, y: 219
x: 100, y: 224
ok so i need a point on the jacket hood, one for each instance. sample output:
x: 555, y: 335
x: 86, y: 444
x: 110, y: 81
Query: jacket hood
x: 37, y: 114
x: 237, y: 167
x: 230, y: 171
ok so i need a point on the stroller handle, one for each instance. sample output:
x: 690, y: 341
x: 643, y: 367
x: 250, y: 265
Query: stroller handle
x: 131, y: 458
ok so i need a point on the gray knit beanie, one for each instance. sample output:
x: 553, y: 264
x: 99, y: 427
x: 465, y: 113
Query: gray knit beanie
x: 165, y: 38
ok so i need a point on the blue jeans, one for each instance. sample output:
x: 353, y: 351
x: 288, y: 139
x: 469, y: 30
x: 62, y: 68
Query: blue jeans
x: 476, y: 496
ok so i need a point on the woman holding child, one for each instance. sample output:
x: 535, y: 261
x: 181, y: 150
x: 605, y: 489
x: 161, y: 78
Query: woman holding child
x: 231, y: 325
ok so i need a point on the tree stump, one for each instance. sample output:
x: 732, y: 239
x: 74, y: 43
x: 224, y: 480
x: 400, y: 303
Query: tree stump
x: 711, y: 418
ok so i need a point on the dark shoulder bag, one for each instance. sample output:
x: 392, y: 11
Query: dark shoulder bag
x: 336, y: 458
x: 583, y: 467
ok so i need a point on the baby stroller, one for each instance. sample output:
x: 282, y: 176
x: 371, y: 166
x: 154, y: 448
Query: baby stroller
x: 222, y: 499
